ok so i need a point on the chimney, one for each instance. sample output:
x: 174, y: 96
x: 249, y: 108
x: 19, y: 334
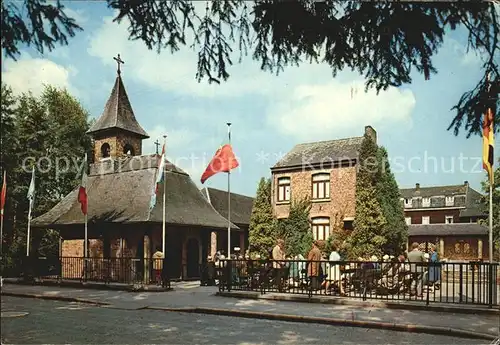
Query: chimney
x: 371, y: 132
x: 466, y: 183
x: 417, y: 186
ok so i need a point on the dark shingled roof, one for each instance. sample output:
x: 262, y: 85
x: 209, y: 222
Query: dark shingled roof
x: 474, y: 208
x: 321, y: 152
x: 456, y: 229
x: 118, y: 113
x: 426, y: 192
x: 241, y: 205
x: 120, y: 191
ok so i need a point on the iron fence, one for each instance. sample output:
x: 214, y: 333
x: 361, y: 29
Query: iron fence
x: 100, y: 270
x: 462, y: 282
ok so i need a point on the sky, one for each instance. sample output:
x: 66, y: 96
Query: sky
x: 269, y: 114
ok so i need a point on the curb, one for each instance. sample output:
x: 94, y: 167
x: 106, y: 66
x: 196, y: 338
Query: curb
x: 86, y: 285
x: 373, y: 304
x: 54, y: 298
x: 335, y: 322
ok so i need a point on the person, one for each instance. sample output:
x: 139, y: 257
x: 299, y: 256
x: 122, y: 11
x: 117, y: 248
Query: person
x: 278, y: 256
x: 314, y: 258
x: 434, y: 269
x: 334, y: 274
x: 158, y: 265
x: 416, y: 259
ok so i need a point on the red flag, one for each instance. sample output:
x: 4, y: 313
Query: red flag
x: 4, y: 192
x: 82, y: 193
x: 224, y: 160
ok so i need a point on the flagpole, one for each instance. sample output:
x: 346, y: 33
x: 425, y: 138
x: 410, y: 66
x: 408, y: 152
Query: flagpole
x: 491, y: 221
x: 28, y: 236
x: 164, y: 196
x: 229, y: 200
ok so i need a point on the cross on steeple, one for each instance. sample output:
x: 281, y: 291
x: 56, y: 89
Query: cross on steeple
x: 119, y: 61
x: 157, y: 143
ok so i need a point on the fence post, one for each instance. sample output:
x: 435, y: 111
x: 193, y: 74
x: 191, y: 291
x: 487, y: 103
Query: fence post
x: 427, y: 282
x: 229, y: 275
x: 490, y: 285
x: 460, y: 283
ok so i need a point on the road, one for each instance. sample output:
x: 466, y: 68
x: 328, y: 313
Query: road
x: 70, y: 323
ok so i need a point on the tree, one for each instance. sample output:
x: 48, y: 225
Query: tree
x: 261, y: 229
x: 395, y: 230
x: 48, y: 130
x: 485, y: 205
x: 296, y: 229
x: 384, y: 41
x: 367, y: 237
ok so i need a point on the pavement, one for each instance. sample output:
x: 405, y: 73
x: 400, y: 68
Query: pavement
x: 189, y: 297
x: 36, y: 321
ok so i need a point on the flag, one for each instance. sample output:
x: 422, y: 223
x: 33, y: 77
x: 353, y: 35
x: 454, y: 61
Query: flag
x: 4, y: 193
x: 82, y: 193
x: 160, y: 178
x: 488, y: 144
x: 224, y: 160
x: 31, y: 189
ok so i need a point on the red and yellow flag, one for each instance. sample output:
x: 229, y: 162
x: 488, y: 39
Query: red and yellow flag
x: 488, y: 144
x: 4, y: 193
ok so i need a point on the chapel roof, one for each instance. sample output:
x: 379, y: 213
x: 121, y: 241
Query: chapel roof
x: 455, y: 229
x: 118, y: 113
x: 119, y: 191
x: 241, y: 205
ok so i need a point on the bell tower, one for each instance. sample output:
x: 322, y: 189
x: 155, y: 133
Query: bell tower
x: 117, y: 133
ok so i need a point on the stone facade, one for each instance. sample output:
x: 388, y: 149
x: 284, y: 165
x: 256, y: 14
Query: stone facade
x: 342, y: 192
x: 117, y: 143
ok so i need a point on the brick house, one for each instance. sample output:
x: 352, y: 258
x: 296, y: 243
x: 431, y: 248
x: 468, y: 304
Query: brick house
x: 447, y: 216
x: 324, y: 172
x: 120, y: 184
x: 241, y: 210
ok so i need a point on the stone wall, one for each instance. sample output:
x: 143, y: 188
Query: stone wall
x: 342, y: 192
x: 117, y: 144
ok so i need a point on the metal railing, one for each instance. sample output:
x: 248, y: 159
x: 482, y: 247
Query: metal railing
x: 130, y: 271
x: 463, y: 282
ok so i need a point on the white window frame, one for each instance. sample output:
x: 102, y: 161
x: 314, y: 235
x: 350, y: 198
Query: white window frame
x: 408, y: 202
x: 284, y: 189
x: 426, y: 219
x: 449, y: 201
x: 321, y: 228
x: 408, y: 220
x: 446, y: 218
x: 426, y: 202
x: 320, y: 186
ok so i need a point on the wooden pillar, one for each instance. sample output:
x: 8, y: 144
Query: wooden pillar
x: 147, y: 256
x: 441, y: 247
x: 479, y: 248
x: 213, y: 243
x: 242, y: 242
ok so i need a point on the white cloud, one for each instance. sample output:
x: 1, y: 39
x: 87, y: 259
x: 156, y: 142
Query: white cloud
x: 80, y: 16
x: 325, y: 111
x: 31, y: 74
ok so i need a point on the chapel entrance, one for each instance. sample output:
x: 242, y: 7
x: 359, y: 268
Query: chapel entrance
x: 193, y: 258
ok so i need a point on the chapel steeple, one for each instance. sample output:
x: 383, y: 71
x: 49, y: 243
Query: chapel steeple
x: 117, y: 133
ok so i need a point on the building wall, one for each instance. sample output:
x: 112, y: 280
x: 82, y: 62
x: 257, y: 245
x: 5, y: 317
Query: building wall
x: 436, y: 216
x: 342, y: 192
x: 117, y: 143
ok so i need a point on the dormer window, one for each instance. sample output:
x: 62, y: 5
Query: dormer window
x: 128, y: 150
x: 449, y: 200
x: 426, y: 202
x: 408, y: 203
x: 105, y: 150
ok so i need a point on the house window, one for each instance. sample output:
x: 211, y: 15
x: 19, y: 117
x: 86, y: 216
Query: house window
x: 321, y: 228
x: 321, y: 186
x: 426, y: 202
x: 408, y: 203
x: 449, y: 201
x: 105, y: 150
x: 408, y: 220
x: 425, y: 220
x: 284, y: 189
x: 449, y: 219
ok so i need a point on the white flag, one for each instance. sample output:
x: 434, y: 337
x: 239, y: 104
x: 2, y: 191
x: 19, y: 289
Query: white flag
x: 31, y: 189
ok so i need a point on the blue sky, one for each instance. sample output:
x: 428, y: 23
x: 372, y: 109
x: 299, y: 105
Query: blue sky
x: 270, y: 114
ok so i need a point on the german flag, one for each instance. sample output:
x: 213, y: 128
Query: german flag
x: 488, y: 143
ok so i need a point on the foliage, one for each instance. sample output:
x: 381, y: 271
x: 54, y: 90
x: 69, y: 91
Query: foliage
x: 384, y: 41
x: 48, y: 132
x: 367, y: 237
x: 485, y: 205
x: 262, y: 234
x: 296, y: 229
x: 338, y: 234
x: 395, y: 230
